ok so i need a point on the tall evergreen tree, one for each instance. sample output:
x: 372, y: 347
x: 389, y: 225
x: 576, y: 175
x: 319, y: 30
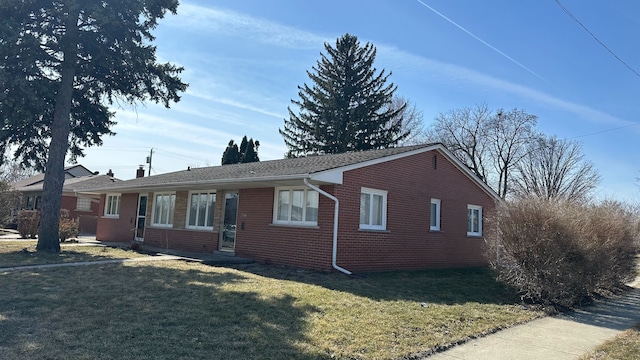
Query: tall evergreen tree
x: 251, y: 152
x: 346, y: 107
x: 231, y: 154
x: 62, y: 63
x: 248, y: 152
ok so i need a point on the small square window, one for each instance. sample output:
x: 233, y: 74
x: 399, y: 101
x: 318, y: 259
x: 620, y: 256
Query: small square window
x: 83, y: 204
x: 373, y: 209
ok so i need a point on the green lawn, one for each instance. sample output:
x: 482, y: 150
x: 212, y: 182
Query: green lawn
x: 625, y: 346
x: 23, y: 252
x: 180, y: 310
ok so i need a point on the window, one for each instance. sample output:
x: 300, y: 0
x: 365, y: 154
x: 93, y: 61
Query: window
x: 296, y: 206
x: 435, y: 215
x: 163, y: 209
x: 373, y: 209
x: 474, y: 227
x: 83, y: 204
x: 112, y: 205
x: 201, y: 209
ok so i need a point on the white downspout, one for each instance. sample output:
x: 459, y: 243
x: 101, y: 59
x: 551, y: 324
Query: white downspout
x: 335, y: 226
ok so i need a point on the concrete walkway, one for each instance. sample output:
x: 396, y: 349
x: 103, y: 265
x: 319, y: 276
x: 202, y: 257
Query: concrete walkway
x: 566, y: 336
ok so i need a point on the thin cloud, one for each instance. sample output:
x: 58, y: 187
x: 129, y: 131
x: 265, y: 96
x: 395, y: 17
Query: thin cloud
x: 216, y: 20
x: 482, y: 41
x: 461, y: 76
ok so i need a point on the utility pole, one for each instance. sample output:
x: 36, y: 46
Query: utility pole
x: 149, y: 158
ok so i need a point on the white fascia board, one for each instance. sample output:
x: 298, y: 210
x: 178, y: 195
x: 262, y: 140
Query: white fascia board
x: 449, y: 155
x: 333, y: 176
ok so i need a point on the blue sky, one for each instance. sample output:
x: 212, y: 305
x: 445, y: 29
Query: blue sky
x: 244, y: 61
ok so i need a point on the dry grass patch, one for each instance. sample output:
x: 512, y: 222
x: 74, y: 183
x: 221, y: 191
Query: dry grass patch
x: 625, y: 346
x: 21, y: 253
x: 174, y: 309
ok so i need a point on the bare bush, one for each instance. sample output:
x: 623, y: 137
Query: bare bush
x: 28, y: 222
x: 559, y: 253
x: 68, y: 228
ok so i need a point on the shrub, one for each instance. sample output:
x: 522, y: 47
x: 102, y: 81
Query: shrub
x: 28, y: 221
x: 559, y: 253
x: 68, y: 228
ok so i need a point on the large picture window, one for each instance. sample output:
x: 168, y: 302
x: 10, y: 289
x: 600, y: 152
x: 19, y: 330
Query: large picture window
x: 201, y: 209
x: 373, y: 209
x: 163, y: 206
x: 112, y: 205
x: 474, y: 226
x: 296, y: 206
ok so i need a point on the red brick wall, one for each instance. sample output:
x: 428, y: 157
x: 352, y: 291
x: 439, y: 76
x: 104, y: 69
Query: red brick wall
x: 258, y: 239
x: 120, y: 229
x: 87, y: 219
x: 180, y: 239
x: 406, y: 244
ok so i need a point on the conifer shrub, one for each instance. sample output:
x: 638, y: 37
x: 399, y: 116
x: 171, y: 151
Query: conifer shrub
x: 561, y: 253
x: 28, y: 222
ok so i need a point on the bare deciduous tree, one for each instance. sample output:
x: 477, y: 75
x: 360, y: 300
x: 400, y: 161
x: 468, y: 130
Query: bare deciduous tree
x: 411, y: 120
x: 556, y: 169
x: 510, y: 133
x: 464, y: 132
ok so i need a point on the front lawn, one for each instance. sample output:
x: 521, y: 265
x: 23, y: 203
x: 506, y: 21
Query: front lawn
x: 181, y: 310
x: 625, y: 346
x: 23, y: 252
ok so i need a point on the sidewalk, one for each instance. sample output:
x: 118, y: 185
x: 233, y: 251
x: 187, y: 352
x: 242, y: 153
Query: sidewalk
x: 566, y: 336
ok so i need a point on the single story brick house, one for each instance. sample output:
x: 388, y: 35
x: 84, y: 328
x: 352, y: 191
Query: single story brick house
x: 81, y: 206
x: 400, y: 208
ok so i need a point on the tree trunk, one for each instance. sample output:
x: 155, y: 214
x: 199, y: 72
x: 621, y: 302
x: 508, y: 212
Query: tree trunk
x: 48, y: 233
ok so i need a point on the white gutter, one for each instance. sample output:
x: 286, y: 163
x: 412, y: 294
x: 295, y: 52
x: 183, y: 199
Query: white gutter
x: 335, y: 226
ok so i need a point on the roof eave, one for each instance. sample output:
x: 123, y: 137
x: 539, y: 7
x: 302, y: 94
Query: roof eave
x: 238, y: 183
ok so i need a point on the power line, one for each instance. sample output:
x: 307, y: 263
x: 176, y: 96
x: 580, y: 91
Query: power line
x: 566, y: 11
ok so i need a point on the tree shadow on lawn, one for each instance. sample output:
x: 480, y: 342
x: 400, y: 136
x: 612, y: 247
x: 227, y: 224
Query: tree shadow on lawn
x: 147, y: 311
x: 438, y: 286
x: 28, y: 256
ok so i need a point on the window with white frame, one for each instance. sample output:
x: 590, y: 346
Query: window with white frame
x: 112, y: 205
x: 296, y: 206
x: 373, y: 209
x: 83, y: 204
x: 163, y: 206
x: 435, y: 215
x: 201, y: 209
x: 474, y: 220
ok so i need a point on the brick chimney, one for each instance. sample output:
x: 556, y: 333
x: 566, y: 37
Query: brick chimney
x: 140, y: 172
x: 110, y: 173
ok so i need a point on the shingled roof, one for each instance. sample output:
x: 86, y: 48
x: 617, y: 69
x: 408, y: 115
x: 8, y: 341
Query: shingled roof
x: 320, y: 169
x: 272, y: 170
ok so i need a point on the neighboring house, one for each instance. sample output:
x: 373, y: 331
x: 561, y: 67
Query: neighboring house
x: 399, y: 208
x: 83, y: 207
